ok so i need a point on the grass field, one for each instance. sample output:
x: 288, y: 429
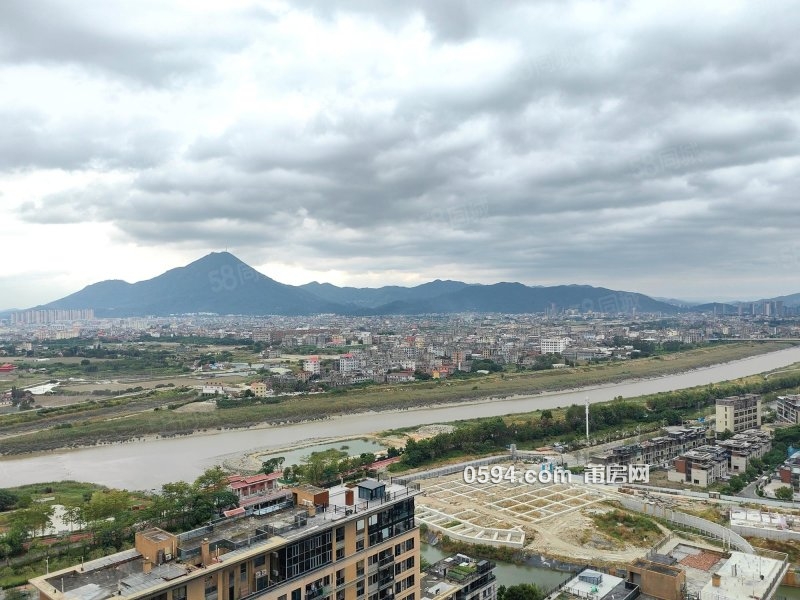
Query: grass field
x: 628, y: 528
x: 122, y: 427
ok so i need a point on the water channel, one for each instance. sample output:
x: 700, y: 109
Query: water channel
x: 148, y: 464
x: 508, y: 573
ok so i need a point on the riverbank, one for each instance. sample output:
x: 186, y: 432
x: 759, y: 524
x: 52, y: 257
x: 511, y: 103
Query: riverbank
x: 148, y: 464
x: 161, y: 423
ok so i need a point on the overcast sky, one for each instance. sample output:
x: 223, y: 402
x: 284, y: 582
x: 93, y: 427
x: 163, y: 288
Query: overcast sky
x: 643, y: 146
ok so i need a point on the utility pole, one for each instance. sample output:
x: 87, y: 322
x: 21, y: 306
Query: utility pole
x: 587, y: 420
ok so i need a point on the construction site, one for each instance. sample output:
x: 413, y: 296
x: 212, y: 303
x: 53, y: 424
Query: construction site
x: 552, y: 518
x: 623, y: 532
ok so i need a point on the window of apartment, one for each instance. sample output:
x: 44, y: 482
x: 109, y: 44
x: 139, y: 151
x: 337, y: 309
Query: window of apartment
x: 339, y: 553
x: 360, y: 526
x: 339, y: 577
x: 404, y: 565
x: 243, y: 572
x: 296, y: 594
x: 359, y: 545
x: 308, y: 554
x: 360, y: 568
x: 340, y: 595
x: 283, y: 597
x: 360, y: 588
x: 340, y: 534
x: 211, y: 587
x: 179, y: 593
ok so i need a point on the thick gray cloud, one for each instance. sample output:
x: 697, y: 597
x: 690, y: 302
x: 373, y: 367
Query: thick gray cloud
x: 144, y: 42
x: 640, y: 146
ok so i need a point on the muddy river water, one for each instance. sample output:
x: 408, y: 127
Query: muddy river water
x: 148, y: 464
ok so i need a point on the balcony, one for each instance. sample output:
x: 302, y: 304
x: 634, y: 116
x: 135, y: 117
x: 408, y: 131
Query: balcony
x: 319, y: 592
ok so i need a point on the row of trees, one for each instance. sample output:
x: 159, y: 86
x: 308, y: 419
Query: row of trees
x: 659, y: 409
x: 329, y: 467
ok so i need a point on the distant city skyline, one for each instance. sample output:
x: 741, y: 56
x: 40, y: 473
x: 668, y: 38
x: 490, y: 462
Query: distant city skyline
x: 649, y: 147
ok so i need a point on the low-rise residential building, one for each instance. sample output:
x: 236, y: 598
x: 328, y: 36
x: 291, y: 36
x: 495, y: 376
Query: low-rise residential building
x: 212, y: 388
x: 789, y: 471
x: 312, y: 365
x: 347, y: 363
x: 702, y: 466
x: 737, y: 413
x: 459, y: 577
x: 744, y: 447
x: 595, y: 585
x: 657, y: 580
x: 400, y: 377
x: 788, y: 409
x: 245, y: 486
x: 553, y: 345
x: 260, y: 389
x: 746, y: 577
x: 655, y: 451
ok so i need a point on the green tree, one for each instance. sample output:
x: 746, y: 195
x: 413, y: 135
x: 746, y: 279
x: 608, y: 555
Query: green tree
x: 111, y: 504
x: 784, y: 493
x: 522, y: 591
x: 73, y: 516
x: 12, y: 542
x: 273, y: 464
x: 36, y: 518
x: 7, y: 500
x: 724, y: 435
x: 212, y: 480
x: 17, y: 594
x: 672, y: 417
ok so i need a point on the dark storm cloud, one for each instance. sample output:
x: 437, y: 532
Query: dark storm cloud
x: 613, y: 148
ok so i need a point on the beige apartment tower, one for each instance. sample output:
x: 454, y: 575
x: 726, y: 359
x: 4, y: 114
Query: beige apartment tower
x: 358, y: 543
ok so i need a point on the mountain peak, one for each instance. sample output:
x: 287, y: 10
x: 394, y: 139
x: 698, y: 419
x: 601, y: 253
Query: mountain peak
x: 221, y: 283
x: 218, y: 258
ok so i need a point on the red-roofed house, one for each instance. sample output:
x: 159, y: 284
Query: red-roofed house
x: 7, y: 368
x: 251, y: 485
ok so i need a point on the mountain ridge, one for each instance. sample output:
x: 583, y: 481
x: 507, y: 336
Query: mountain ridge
x: 221, y: 283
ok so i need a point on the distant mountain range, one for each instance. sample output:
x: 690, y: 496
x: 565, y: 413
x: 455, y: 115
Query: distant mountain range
x: 220, y: 283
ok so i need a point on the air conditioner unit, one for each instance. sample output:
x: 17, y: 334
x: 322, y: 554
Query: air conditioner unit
x: 167, y: 556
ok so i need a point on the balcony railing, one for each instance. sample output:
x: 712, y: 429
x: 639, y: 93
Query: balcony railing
x: 318, y: 592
